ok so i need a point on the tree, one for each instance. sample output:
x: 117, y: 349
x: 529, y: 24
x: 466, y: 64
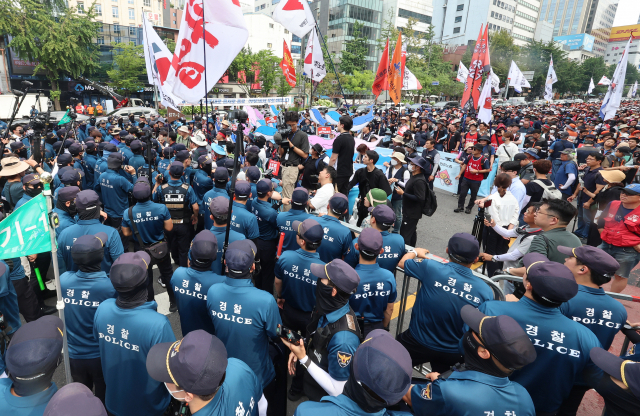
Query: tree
x: 503, y: 50
x: 282, y: 86
x: 593, y: 68
x: 241, y: 70
x: 128, y: 65
x: 388, y: 31
x: 359, y: 83
x: 353, y: 57
x: 61, y: 43
x: 413, y: 39
x: 268, y: 65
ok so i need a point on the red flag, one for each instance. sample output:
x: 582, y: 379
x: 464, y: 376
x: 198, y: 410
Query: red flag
x: 381, y: 82
x: 395, y: 72
x: 474, y: 80
x: 287, y: 66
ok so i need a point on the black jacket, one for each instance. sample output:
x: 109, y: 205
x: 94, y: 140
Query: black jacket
x: 370, y: 180
x: 415, y: 194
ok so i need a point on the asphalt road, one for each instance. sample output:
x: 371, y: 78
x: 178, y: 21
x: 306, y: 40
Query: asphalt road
x: 433, y: 234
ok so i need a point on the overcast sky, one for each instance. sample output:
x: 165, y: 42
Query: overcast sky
x: 628, y: 12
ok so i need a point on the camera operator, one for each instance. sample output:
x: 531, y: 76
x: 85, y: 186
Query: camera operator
x: 293, y: 150
x: 311, y: 167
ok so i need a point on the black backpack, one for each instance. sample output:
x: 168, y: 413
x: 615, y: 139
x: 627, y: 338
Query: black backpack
x: 430, y: 202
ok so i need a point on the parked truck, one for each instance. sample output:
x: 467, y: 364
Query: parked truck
x: 7, y: 101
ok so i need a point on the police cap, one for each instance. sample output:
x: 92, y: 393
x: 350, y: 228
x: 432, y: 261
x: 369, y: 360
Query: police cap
x: 203, y: 247
x: 31, y: 179
x: 626, y: 371
x: 142, y: 189
x: 110, y: 147
x: 197, y: 363
x: 87, y: 200
x: 91, y: 145
x: 243, y: 188
x: 35, y: 349
x: 343, y: 276
x: 221, y: 175
x: 75, y: 149
x: 136, y: 145
x: 182, y: 155
x: 130, y: 271
x: 464, y: 247
x: 502, y: 336
x: 74, y: 399
x: 167, y: 151
x: 264, y: 186
x: 309, y: 230
x: 383, y: 365
x: 64, y: 159
x: 300, y: 196
x: 68, y: 193
x: 253, y: 174
x: 370, y: 242
x: 339, y: 204
x: 384, y: 215
x: 69, y: 176
x: 594, y: 258
x: 551, y: 281
x: 16, y: 146
x: 219, y: 207
x: 114, y: 160
x: 176, y: 169
x: 89, y: 243
x: 238, y: 260
x: 204, y: 160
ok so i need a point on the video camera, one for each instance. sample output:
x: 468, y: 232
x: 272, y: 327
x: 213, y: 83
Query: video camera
x: 284, y: 130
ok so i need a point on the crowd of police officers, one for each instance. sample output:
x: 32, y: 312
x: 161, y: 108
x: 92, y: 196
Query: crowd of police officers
x: 251, y: 315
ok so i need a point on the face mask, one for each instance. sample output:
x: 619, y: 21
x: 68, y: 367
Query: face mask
x: 394, y: 162
x: 176, y: 391
x: 89, y: 262
x: 356, y: 392
x: 411, y: 168
x: 325, y: 303
x: 474, y: 362
x: 33, y: 191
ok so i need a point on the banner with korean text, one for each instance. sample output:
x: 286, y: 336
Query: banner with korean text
x: 26, y: 230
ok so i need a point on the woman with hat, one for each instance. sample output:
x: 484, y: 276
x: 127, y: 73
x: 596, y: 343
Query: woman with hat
x: 413, y: 196
x: 397, y: 175
x: 14, y: 169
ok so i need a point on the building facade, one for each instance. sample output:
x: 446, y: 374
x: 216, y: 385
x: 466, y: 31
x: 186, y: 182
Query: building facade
x: 572, y: 17
x: 400, y: 11
x: 618, y: 41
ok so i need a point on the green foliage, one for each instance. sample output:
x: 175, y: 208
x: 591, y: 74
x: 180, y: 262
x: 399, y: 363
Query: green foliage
x: 503, y: 51
x: 248, y: 62
x: 353, y: 56
x: 359, y: 83
x: 268, y: 65
x: 243, y: 62
x: 128, y: 66
x: 282, y: 86
x: 171, y: 44
x: 327, y: 86
x: 56, y: 37
x: 324, y: 102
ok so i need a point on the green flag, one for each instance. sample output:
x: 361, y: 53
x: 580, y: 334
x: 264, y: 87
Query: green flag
x: 26, y: 230
x: 65, y: 119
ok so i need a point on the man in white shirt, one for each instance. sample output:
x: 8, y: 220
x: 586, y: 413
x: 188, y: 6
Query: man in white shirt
x: 326, y: 179
x: 517, y: 188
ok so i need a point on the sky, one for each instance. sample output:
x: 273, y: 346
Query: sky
x: 627, y: 13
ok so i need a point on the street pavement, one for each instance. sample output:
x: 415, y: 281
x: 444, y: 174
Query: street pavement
x: 433, y: 234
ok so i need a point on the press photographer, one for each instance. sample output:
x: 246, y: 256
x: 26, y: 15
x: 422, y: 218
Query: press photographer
x: 293, y: 150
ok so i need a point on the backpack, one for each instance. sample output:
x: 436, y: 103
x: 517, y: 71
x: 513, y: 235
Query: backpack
x: 430, y: 202
x: 550, y: 191
x: 143, y: 171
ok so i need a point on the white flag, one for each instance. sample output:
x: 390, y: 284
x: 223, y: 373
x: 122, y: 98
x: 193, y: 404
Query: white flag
x: 495, y: 82
x: 295, y: 15
x: 635, y: 89
x: 591, y: 86
x: 604, y: 81
x: 158, y: 60
x: 517, y: 79
x: 308, y: 56
x: 317, y: 70
x: 410, y: 81
x: 551, y: 79
x: 484, y: 103
x: 224, y: 35
x: 630, y: 92
x: 611, y: 101
x: 463, y: 73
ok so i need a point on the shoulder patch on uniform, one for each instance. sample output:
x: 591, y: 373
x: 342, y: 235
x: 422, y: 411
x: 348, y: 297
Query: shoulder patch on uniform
x: 165, y: 185
x: 351, y: 323
x: 344, y: 358
x: 426, y: 392
x: 418, y: 260
x: 185, y: 186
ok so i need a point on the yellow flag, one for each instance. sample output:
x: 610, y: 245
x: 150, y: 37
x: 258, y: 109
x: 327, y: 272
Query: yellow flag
x: 395, y: 72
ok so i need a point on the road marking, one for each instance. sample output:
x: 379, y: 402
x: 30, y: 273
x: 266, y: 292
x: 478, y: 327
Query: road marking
x: 411, y: 299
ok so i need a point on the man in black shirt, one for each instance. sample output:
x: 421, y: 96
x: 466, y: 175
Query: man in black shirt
x: 452, y: 143
x: 343, y: 150
x: 413, y: 197
x: 586, y: 150
x: 292, y: 155
x: 368, y: 178
x: 312, y: 166
x: 591, y: 186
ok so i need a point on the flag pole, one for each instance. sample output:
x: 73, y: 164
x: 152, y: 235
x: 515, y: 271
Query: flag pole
x: 46, y: 178
x: 206, y: 86
x: 334, y: 69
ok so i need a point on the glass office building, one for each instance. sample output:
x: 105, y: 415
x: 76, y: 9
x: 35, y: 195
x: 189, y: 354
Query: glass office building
x: 336, y: 18
x: 572, y: 17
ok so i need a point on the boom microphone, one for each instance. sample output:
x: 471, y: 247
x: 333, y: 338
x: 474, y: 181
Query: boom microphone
x: 27, y: 83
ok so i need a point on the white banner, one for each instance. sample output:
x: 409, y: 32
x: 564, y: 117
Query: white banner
x: 242, y: 101
x: 295, y: 15
x: 591, y: 86
x: 612, y: 99
x: 410, y: 81
x: 449, y: 169
x: 463, y: 73
x: 551, y: 79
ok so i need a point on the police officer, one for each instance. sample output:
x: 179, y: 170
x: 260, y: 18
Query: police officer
x: 202, y: 183
x: 143, y: 171
x: 298, y: 202
x: 32, y: 187
x: 450, y: 286
x: 334, y: 332
x: 126, y: 328
x: 88, y: 206
x: 494, y: 347
x: 101, y: 164
x: 63, y: 161
x: 125, y: 149
x: 83, y: 291
x: 267, y: 242
x: 220, y: 179
x: 151, y: 221
x: 198, y: 372
x: 165, y: 159
x: 380, y: 366
x: 219, y: 209
x: 137, y: 159
x: 9, y: 307
x: 74, y: 399
x: 32, y: 357
x: 382, y: 219
x: 184, y: 159
x: 90, y: 159
x: 376, y: 293
x: 190, y: 284
x: 337, y: 237
x: 603, y: 315
x: 252, y: 175
x: 242, y: 220
x: 245, y: 317
x: 77, y: 152
x: 181, y: 201
x: 562, y: 344
x: 66, y: 208
x: 296, y: 287
x: 620, y: 385
x: 115, y: 190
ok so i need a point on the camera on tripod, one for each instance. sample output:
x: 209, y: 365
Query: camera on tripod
x: 282, y: 137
